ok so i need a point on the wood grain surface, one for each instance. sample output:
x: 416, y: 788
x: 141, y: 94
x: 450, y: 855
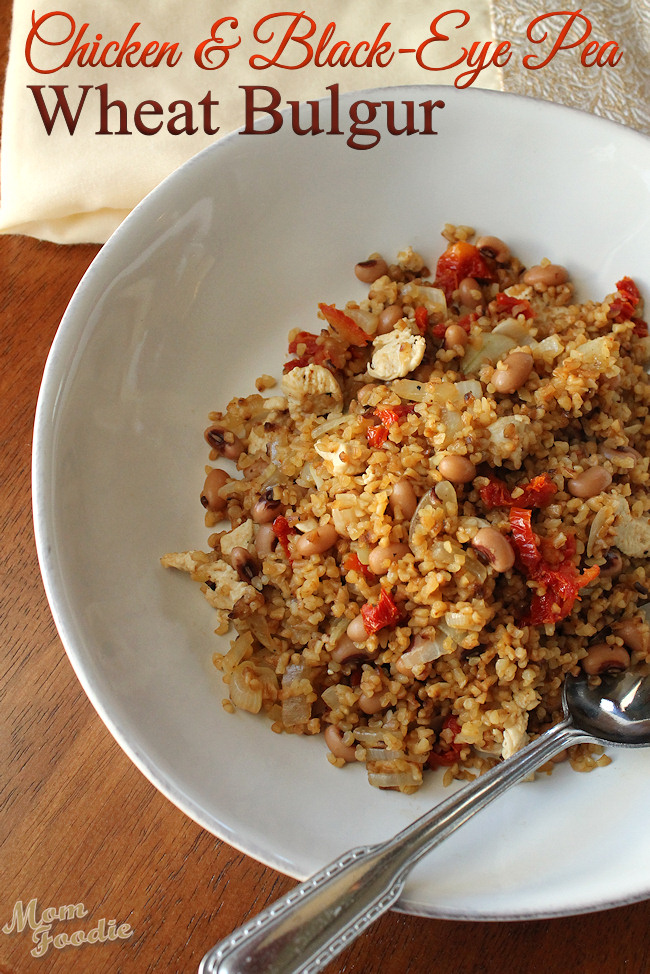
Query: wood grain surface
x: 79, y: 824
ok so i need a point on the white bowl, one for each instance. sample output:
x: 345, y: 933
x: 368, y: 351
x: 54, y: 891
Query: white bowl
x: 184, y: 307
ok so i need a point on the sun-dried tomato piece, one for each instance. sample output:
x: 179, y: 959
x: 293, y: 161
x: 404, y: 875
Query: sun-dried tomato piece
x: 343, y: 325
x: 422, y: 319
x: 376, y: 436
x: 625, y: 304
x: 354, y: 563
x: 437, y: 756
x: 393, y: 414
x: 385, y: 613
x: 508, y: 303
x: 282, y: 529
x: 459, y: 260
x: 524, y: 538
x: 324, y: 349
x: 561, y: 582
x: 387, y: 415
x: 536, y: 493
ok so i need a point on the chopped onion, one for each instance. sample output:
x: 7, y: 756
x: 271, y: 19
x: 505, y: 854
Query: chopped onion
x: 513, y: 329
x: 396, y: 779
x: 459, y: 620
x: 295, y: 709
x: 331, y: 423
x: 240, y: 648
x: 551, y: 346
x: 446, y: 493
x: 451, y: 423
x: 412, y: 390
x: 472, y: 386
x: 492, y: 348
x: 369, y: 736
x: 597, y: 524
x: 331, y: 697
x: 427, y: 500
x: 424, y: 651
x: 383, y: 754
x: 432, y: 298
x: 242, y: 695
x: 597, y: 352
x: 366, y: 320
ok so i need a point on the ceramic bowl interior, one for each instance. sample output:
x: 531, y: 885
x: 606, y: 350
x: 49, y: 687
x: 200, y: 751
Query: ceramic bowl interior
x: 184, y: 307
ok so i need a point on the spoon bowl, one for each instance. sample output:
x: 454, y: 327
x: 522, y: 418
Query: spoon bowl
x: 614, y: 711
x: 303, y: 932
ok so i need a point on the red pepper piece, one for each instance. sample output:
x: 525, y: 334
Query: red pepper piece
x: 343, y: 325
x: 461, y: 259
x: 385, y: 613
x: 438, y: 757
x: 536, y: 493
x: 507, y: 302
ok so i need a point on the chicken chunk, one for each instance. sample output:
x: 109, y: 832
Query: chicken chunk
x: 311, y: 389
x: 396, y: 354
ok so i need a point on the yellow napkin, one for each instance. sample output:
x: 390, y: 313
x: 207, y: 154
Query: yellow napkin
x: 73, y: 188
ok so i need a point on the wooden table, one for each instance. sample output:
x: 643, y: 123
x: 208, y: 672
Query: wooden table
x: 80, y: 825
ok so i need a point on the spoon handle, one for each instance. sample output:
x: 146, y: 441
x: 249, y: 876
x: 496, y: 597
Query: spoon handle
x: 305, y: 930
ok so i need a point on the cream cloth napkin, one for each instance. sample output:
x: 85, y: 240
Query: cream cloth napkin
x: 620, y: 92
x: 78, y: 188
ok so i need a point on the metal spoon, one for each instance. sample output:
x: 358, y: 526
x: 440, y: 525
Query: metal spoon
x: 305, y: 930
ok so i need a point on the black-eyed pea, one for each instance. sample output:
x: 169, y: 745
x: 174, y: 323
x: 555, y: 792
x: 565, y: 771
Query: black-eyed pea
x: 495, y: 548
x: 244, y: 564
x: 613, y: 564
x: 266, y: 509
x: 546, y: 275
x: 382, y: 557
x: 601, y: 657
x: 457, y: 469
x: 370, y: 705
x: 590, y: 482
x: 513, y: 373
x: 356, y: 630
x: 334, y: 740
x: 633, y: 635
x: 369, y: 271
x: 469, y: 293
x: 345, y: 649
x: 456, y: 335
x: 388, y: 318
x: 495, y: 248
x: 224, y: 442
x: 265, y: 540
x: 210, y: 496
x: 317, y: 541
x: 403, y: 499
